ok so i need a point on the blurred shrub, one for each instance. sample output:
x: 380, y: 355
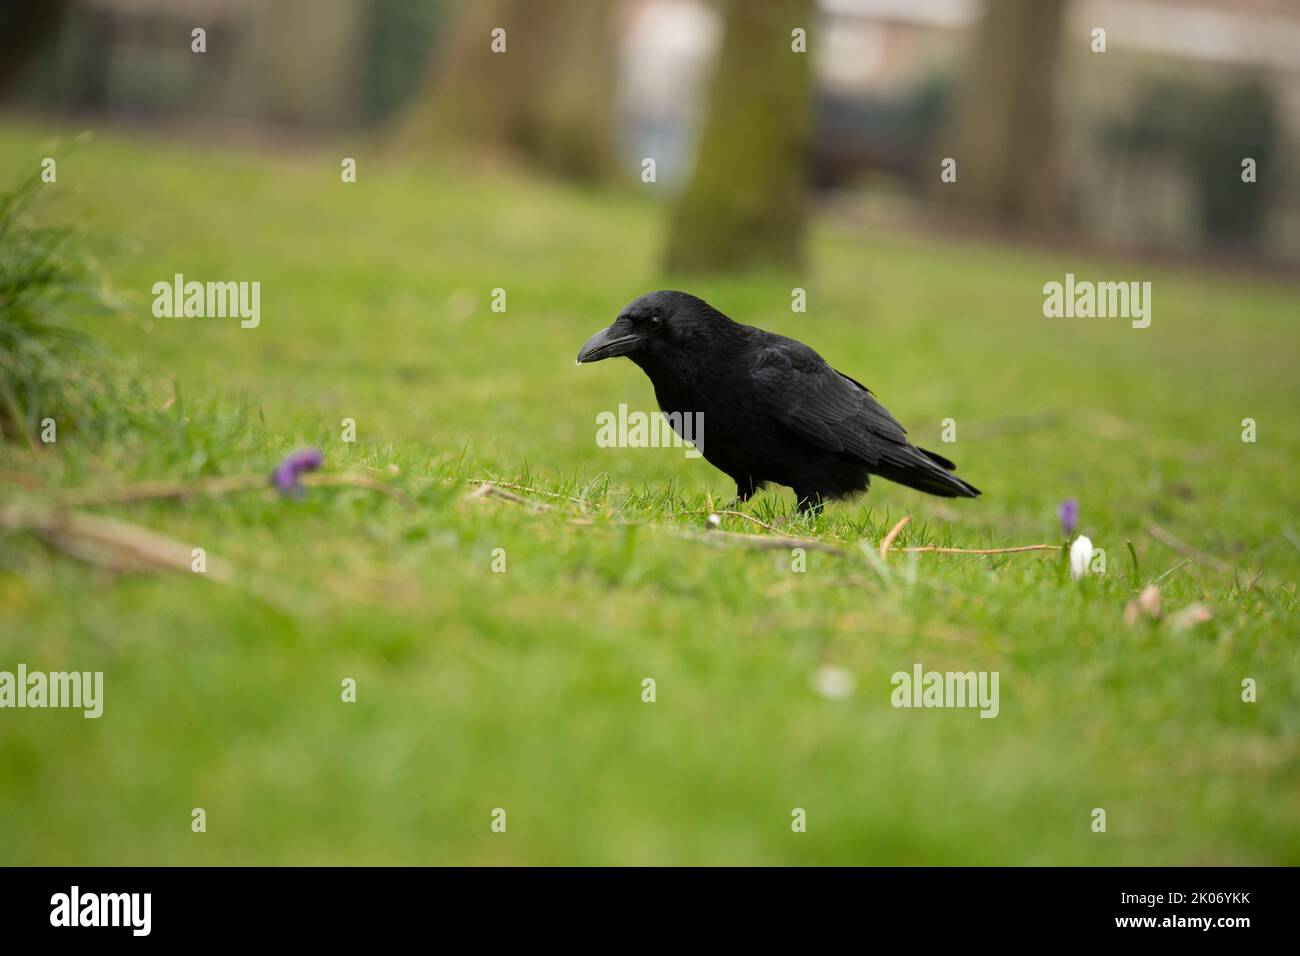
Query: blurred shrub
x: 46, y: 280
x: 1211, y: 128
x: 398, y: 40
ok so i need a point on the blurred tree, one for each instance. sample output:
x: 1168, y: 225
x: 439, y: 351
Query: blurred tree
x: 746, y: 201
x: 1004, y: 138
x: 1233, y: 123
x: 1208, y: 129
x: 285, y: 82
x: 398, y: 35
x: 548, y: 97
x: 25, y: 27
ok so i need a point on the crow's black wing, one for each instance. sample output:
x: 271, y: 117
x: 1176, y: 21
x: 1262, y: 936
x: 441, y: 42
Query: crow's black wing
x: 796, y: 386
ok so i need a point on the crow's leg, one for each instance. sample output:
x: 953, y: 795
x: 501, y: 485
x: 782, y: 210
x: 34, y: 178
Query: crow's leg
x: 745, y: 488
x: 808, y: 502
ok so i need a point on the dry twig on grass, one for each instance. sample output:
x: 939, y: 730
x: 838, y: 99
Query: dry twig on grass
x: 1186, y: 550
x: 223, y: 485
x: 934, y: 548
x: 489, y: 490
x: 763, y: 542
x: 893, y: 533
x: 110, y: 543
x: 734, y: 514
x: 533, y: 491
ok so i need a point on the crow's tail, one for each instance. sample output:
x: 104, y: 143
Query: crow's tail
x: 925, y: 471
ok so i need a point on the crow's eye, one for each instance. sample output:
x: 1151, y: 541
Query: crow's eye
x: 656, y: 319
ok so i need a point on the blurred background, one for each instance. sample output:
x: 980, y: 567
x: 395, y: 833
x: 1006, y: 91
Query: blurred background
x: 1141, y: 154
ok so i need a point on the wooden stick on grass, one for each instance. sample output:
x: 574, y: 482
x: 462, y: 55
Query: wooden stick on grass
x: 489, y: 490
x: 223, y: 485
x: 893, y: 533
x: 108, y: 542
x: 1016, y: 550
x: 1186, y: 550
x: 766, y: 542
x: 734, y: 514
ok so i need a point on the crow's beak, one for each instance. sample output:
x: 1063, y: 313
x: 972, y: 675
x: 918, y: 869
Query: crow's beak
x: 608, y: 343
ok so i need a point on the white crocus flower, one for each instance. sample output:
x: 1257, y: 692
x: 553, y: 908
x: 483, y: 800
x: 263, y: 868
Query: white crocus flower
x: 833, y: 683
x: 1080, y: 556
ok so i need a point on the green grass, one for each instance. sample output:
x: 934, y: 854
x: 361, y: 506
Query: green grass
x: 522, y: 690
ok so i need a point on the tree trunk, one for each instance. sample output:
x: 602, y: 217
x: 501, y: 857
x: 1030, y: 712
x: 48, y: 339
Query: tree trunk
x: 746, y: 202
x: 24, y: 30
x: 1005, y: 130
x: 548, y: 98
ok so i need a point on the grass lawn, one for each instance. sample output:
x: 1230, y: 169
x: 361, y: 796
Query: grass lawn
x: 523, y: 690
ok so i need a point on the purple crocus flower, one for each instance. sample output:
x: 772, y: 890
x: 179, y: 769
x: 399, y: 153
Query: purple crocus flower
x: 1068, y: 512
x: 285, y: 477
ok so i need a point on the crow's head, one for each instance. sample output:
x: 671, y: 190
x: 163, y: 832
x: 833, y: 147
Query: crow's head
x: 654, y: 327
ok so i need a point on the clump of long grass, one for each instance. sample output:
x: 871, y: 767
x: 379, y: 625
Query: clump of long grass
x: 48, y: 281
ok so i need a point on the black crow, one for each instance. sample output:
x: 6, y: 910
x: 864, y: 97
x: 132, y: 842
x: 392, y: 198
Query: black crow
x: 773, y: 410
